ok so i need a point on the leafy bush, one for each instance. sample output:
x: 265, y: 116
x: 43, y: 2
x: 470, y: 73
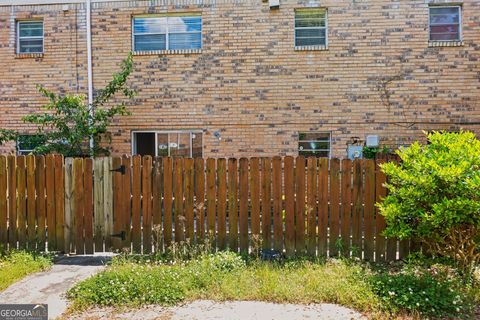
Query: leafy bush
x: 434, y: 196
x: 429, y: 295
x: 224, y: 261
x: 131, y: 284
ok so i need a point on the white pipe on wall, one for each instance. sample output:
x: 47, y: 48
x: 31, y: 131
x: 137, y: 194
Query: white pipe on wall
x: 88, y: 10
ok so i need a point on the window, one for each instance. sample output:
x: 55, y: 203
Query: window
x: 310, y: 27
x: 29, y: 36
x: 168, y: 143
x: 167, y: 33
x: 445, y: 23
x: 314, y: 144
x: 27, y: 143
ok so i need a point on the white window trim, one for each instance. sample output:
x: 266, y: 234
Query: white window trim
x: 35, y: 37
x: 167, y: 44
x: 460, y: 22
x: 313, y: 47
x: 156, y: 132
x: 319, y: 132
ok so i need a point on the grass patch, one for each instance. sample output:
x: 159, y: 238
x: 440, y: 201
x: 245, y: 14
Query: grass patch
x: 418, y: 289
x: 226, y: 276
x: 15, y: 265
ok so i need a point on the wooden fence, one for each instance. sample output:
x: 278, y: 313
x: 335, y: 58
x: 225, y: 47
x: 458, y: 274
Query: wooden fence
x: 296, y: 205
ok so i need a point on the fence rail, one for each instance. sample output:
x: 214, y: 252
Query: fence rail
x: 144, y: 204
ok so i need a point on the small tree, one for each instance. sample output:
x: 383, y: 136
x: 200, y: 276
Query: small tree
x: 7, y: 135
x: 70, y: 122
x: 434, y: 196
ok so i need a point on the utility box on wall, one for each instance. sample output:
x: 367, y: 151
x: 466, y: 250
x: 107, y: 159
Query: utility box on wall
x: 274, y: 4
x: 355, y: 152
x: 372, y: 141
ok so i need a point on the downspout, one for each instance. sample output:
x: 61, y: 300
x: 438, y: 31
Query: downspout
x: 89, y: 63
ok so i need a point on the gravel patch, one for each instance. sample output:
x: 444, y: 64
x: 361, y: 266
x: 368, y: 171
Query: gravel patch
x: 232, y: 310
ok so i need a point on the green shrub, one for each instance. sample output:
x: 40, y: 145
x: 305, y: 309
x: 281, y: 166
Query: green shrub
x: 434, y: 196
x: 424, y: 294
x: 131, y: 284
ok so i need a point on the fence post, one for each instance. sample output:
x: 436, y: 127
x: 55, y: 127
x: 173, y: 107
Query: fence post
x: 178, y: 201
x: 369, y: 207
x: 312, y: 206
x: 211, y: 200
x: 222, y: 202
x: 147, y: 203
x: 243, y: 212
x: 21, y: 201
x: 69, y: 216
x: 232, y: 205
x: 12, y: 201
x: 59, y: 203
x: 300, y: 205
x: 78, y: 204
x: 289, y: 206
x: 346, y: 206
x: 323, y: 206
x: 98, y: 204
x: 334, y: 206
x: 3, y: 203
x: 88, y: 206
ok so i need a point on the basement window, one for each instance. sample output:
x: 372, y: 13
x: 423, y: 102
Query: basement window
x: 445, y: 23
x: 311, y: 29
x: 27, y: 143
x: 314, y: 144
x: 167, y: 32
x: 29, y: 37
x: 168, y: 143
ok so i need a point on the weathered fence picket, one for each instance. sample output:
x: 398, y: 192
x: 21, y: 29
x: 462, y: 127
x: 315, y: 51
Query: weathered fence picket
x: 143, y: 204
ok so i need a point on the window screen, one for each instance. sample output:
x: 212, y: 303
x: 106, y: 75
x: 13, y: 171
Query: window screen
x: 310, y: 27
x: 445, y: 23
x: 314, y: 144
x: 30, y: 37
x: 167, y: 33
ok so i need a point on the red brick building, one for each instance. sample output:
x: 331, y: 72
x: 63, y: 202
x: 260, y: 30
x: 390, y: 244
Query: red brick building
x: 223, y: 78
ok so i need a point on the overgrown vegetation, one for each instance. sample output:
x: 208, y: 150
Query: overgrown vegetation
x: 434, y: 197
x: 15, y: 265
x: 70, y: 122
x: 420, y: 288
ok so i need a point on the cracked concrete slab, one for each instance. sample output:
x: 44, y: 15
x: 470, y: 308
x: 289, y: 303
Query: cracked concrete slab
x: 50, y: 287
x: 229, y: 310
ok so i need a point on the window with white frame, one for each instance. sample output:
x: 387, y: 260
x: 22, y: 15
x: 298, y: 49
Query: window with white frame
x: 445, y: 23
x: 172, y: 32
x: 168, y: 143
x: 314, y: 144
x: 30, y: 36
x: 310, y: 27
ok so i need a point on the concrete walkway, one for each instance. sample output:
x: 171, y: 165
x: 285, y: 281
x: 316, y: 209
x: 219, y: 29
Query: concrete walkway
x: 50, y: 287
x: 230, y: 310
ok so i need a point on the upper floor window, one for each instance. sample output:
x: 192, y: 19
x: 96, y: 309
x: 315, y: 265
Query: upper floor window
x: 314, y: 144
x: 172, y: 32
x: 310, y: 27
x: 445, y: 23
x: 30, y: 36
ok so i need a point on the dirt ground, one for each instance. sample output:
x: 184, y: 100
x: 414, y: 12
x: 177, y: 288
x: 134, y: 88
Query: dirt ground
x: 233, y: 310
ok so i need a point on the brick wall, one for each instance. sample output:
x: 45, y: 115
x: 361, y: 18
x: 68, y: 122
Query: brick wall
x: 249, y: 83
